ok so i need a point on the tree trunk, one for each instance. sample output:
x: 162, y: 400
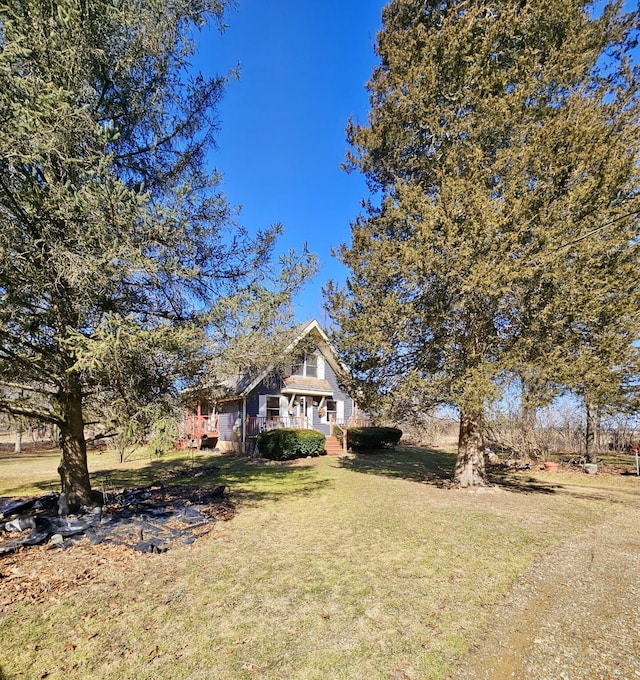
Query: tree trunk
x: 592, y: 425
x: 469, y: 470
x: 73, y: 469
x: 528, y: 420
x: 18, y: 447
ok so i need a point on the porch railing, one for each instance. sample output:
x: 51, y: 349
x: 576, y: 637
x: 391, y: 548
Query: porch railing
x: 257, y: 424
x: 344, y: 423
x: 348, y: 422
x: 197, y: 426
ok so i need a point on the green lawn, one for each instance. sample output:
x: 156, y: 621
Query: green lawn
x: 358, y: 568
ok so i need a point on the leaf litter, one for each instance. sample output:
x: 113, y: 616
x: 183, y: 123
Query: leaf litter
x: 130, y: 522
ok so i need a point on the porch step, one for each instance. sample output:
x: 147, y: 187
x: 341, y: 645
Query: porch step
x: 332, y: 446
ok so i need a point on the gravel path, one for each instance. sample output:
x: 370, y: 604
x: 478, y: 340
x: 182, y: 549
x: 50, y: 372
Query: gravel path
x: 575, y: 614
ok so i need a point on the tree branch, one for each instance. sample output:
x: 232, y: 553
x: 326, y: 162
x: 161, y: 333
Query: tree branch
x: 14, y: 410
x: 26, y: 388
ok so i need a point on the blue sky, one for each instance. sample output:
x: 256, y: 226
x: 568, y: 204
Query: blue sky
x: 303, y: 69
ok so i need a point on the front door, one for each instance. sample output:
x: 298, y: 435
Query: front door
x: 304, y: 411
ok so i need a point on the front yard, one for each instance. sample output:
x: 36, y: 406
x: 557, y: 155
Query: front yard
x: 366, y: 567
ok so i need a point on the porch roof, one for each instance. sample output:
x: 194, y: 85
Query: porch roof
x: 297, y: 384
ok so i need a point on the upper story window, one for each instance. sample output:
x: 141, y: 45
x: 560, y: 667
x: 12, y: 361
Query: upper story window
x: 311, y: 366
x: 308, y: 367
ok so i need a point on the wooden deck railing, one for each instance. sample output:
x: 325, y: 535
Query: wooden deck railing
x: 197, y: 426
x: 347, y: 422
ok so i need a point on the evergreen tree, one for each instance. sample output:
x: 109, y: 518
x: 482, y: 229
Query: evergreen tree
x: 501, y: 155
x: 116, y: 243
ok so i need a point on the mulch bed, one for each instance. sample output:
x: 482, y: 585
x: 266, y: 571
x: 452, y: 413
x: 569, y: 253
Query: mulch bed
x: 130, y: 523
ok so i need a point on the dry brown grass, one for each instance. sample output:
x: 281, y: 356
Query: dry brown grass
x: 358, y: 568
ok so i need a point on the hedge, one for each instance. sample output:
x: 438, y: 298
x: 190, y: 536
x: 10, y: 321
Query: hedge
x: 369, y: 438
x: 286, y: 443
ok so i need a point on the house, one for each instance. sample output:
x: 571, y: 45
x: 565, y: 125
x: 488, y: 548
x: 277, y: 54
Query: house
x: 305, y: 395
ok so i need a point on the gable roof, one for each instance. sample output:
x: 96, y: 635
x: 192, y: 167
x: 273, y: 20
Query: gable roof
x: 241, y: 385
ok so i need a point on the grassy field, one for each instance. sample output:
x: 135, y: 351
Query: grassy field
x: 362, y: 568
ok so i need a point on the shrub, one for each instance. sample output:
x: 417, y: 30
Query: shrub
x: 285, y: 443
x: 368, y: 438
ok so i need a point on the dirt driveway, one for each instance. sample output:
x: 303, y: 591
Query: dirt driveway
x: 575, y: 614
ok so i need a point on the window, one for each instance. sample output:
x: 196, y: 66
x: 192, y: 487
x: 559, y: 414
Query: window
x: 331, y: 409
x: 273, y: 408
x: 307, y: 368
x: 311, y: 366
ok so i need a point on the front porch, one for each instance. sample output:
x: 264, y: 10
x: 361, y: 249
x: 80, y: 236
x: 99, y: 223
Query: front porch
x: 257, y: 424
x: 233, y: 429
x: 334, y: 444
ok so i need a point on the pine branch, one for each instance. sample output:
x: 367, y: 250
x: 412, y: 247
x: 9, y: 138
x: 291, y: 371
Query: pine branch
x: 35, y: 414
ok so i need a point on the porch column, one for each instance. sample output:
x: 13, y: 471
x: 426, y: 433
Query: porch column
x: 244, y: 423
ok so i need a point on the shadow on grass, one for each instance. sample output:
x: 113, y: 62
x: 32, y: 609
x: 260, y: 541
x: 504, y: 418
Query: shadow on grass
x: 259, y: 480
x: 435, y: 467
x: 29, y: 455
x: 520, y: 482
x: 252, y: 481
x: 45, y: 486
x: 404, y: 462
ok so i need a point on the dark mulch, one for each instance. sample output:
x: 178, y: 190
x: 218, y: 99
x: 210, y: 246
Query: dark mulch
x: 147, y: 519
